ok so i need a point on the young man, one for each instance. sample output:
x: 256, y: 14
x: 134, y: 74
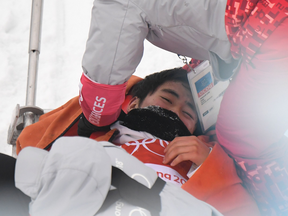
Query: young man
x: 157, y: 130
x: 148, y: 111
x: 247, y: 36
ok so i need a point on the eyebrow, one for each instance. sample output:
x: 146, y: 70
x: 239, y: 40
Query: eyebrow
x: 170, y: 91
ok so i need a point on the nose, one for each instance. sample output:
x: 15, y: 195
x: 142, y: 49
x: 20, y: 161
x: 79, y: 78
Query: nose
x: 176, y: 110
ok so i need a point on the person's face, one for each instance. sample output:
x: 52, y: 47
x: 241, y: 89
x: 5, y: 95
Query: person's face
x: 173, y: 96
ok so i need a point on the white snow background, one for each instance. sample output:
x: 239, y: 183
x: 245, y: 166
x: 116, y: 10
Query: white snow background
x: 65, y: 29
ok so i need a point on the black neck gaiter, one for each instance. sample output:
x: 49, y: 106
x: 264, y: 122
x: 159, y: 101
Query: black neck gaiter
x: 157, y: 121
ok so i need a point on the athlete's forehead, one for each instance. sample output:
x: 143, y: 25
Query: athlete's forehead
x: 177, y: 89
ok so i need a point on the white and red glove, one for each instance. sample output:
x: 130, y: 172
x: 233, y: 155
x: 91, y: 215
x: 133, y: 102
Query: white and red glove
x: 100, y: 103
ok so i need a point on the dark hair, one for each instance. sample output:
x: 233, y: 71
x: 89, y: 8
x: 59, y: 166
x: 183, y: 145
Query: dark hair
x: 151, y: 82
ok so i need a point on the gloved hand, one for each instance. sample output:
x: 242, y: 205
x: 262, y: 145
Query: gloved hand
x: 100, y: 103
x: 85, y: 128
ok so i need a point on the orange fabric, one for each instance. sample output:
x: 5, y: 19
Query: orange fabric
x: 104, y: 137
x: 49, y: 127
x: 217, y: 183
x: 53, y: 124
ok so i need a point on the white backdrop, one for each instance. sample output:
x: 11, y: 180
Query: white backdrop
x: 64, y: 33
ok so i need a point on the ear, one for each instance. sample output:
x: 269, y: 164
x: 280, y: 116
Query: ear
x: 133, y: 104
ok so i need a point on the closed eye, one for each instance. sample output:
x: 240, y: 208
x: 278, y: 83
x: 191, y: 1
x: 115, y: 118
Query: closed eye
x: 189, y: 115
x: 166, y: 99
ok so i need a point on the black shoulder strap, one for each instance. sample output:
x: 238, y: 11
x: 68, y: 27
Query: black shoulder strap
x: 137, y: 194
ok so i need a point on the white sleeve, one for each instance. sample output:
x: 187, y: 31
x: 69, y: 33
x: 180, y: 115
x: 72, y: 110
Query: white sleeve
x: 118, y: 28
x: 115, y: 43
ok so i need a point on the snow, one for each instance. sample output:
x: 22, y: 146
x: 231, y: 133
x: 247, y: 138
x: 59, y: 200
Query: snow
x: 64, y: 33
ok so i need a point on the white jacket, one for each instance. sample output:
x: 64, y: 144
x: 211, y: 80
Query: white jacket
x: 194, y: 28
x: 74, y: 179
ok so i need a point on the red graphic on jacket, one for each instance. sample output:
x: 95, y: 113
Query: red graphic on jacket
x: 151, y: 152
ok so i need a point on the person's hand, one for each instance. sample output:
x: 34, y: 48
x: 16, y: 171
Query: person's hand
x: 85, y: 128
x: 188, y: 148
x: 100, y: 103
